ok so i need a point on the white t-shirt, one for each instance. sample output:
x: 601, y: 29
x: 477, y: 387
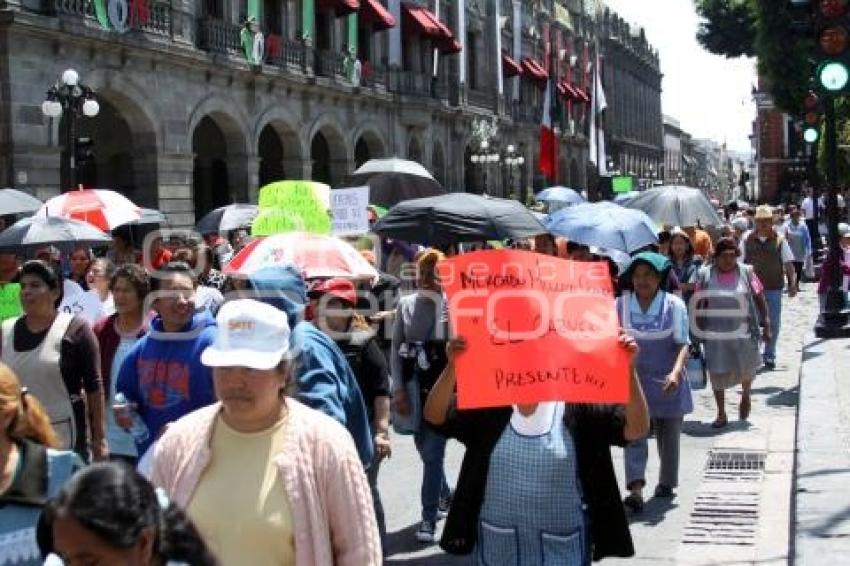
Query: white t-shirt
x: 808, y: 206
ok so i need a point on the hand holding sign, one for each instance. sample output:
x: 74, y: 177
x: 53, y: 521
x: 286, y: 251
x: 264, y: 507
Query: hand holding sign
x: 537, y: 328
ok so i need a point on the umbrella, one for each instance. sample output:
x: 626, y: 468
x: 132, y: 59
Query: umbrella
x: 148, y: 216
x: 604, y: 224
x: 227, y: 218
x: 13, y: 201
x: 391, y: 181
x: 39, y: 231
x: 676, y: 205
x: 318, y: 256
x: 101, y: 208
x: 622, y: 198
x: 458, y: 217
x: 560, y: 194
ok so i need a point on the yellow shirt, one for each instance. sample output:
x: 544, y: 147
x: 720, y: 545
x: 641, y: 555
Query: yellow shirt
x: 240, y: 505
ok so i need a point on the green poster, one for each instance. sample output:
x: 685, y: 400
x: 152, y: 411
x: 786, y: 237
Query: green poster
x: 622, y: 184
x: 292, y: 206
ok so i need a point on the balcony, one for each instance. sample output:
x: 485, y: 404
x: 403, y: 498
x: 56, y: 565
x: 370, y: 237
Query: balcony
x: 285, y: 53
x: 485, y: 99
x: 217, y: 36
x: 330, y: 64
x: 418, y: 84
x: 153, y: 17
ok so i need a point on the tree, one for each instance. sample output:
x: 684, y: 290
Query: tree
x: 728, y: 27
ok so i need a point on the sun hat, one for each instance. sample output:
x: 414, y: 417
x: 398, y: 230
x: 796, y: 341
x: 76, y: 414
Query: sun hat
x: 250, y: 334
x: 764, y: 212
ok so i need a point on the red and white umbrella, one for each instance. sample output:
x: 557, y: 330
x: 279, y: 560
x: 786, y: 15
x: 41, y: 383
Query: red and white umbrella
x: 316, y: 255
x: 101, y: 208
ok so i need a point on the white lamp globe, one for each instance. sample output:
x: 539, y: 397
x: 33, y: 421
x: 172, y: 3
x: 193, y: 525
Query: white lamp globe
x: 474, y: 159
x: 70, y: 77
x: 484, y: 144
x: 520, y: 160
x: 91, y: 107
x: 511, y: 149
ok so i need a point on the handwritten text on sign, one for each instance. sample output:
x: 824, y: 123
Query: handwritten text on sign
x: 538, y: 328
x: 349, y: 211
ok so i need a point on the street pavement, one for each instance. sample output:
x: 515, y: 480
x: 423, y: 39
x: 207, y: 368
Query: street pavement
x: 735, y: 513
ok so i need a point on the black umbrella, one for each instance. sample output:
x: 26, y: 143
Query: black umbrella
x: 676, y: 205
x: 13, y: 201
x: 393, y: 180
x: 227, y: 218
x: 458, y: 217
x: 39, y: 231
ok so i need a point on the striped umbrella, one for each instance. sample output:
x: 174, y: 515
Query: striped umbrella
x: 101, y: 208
x: 317, y: 255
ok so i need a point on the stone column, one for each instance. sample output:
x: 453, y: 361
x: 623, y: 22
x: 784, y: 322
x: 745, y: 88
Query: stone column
x: 175, y: 196
x: 244, y: 171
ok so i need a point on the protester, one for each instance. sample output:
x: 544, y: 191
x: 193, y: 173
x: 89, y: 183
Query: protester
x: 109, y: 514
x: 416, y: 360
x: 10, y: 287
x: 808, y: 207
x: 56, y: 356
x: 116, y: 336
x: 537, y: 482
x: 797, y: 235
x: 221, y: 248
x: 844, y: 266
x: 266, y: 479
x: 159, y: 254
x: 122, y: 250
x: 358, y: 341
x: 209, y: 276
x: 162, y: 376
x: 684, y: 264
x: 31, y: 471
x: 664, y: 242
x: 770, y: 255
x: 731, y: 356
x: 741, y: 226
x: 52, y: 256
x: 79, y: 264
x: 659, y: 323
x: 206, y: 296
x: 323, y: 377
x: 98, y: 279
x: 545, y: 244
x: 379, y: 302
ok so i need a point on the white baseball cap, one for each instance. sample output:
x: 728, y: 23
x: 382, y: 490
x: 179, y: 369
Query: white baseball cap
x: 250, y: 334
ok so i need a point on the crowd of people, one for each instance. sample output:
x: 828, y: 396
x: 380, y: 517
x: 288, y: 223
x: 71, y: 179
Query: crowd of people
x: 205, y: 418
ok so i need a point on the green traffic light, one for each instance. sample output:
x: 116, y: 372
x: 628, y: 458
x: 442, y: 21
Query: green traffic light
x: 833, y: 76
x: 811, y: 134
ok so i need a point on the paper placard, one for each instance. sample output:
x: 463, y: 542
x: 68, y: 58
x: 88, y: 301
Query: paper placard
x: 349, y: 208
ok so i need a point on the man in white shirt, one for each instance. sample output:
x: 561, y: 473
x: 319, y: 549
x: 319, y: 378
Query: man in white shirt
x: 808, y: 208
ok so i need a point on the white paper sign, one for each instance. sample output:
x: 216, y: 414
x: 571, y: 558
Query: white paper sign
x: 349, y: 210
x: 86, y: 304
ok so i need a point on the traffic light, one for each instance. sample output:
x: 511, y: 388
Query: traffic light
x: 811, y: 117
x: 833, y: 39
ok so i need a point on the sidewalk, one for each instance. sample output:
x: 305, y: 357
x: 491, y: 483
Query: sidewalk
x: 821, y: 495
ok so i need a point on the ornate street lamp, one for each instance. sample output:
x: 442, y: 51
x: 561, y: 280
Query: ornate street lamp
x: 484, y: 131
x: 513, y: 161
x: 73, y: 99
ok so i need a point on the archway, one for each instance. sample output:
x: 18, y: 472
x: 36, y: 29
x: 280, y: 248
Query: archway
x: 270, y: 151
x: 368, y: 146
x: 329, y: 156
x: 438, y: 164
x: 414, y: 150
x: 210, y: 175
x: 116, y: 150
x: 320, y: 155
x: 361, y: 153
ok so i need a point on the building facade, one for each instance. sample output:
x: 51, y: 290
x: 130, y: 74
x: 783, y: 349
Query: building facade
x: 196, y: 111
x: 781, y: 162
x: 672, y: 170
x: 632, y: 84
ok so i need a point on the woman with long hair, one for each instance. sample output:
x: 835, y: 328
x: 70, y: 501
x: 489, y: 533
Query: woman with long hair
x: 80, y: 262
x: 109, y: 514
x: 31, y: 470
x: 684, y: 265
x: 98, y: 278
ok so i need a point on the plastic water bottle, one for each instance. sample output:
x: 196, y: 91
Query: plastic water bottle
x: 138, y: 430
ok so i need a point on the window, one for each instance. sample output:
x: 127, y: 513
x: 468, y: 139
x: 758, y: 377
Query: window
x: 471, y: 61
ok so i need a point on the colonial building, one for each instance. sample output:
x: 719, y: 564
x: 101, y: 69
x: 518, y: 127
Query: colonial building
x: 203, y: 101
x: 673, y: 168
x: 632, y: 85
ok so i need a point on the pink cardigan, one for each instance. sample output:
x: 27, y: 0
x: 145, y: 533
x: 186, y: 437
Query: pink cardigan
x: 327, y: 489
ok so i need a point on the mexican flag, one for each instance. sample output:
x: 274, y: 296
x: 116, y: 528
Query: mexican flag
x: 548, y: 137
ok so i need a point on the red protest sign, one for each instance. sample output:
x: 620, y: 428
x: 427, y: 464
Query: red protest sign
x: 538, y: 328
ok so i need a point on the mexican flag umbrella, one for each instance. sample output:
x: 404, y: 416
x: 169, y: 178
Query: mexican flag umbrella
x: 40, y: 231
x: 13, y: 201
x: 293, y: 206
x: 391, y: 181
x: 101, y: 208
x: 318, y: 256
x: 674, y: 205
x: 458, y: 217
x: 227, y: 218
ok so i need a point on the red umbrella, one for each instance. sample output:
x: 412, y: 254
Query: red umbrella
x: 101, y: 208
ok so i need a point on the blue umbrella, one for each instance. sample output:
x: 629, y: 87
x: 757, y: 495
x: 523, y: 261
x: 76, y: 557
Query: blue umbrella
x: 604, y: 224
x: 622, y: 198
x: 561, y: 195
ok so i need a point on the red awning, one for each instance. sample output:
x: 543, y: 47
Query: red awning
x: 534, y: 69
x: 581, y: 95
x: 510, y: 68
x: 339, y: 7
x: 423, y: 22
x: 569, y: 91
x: 374, y: 13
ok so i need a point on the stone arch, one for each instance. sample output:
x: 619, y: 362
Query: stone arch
x: 119, y: 146
x: 438, y: 163
x: 278, y: 146
x: 372, y: 144
x: 414, y: 149
x: 334, y: 164
x: 226, y: 114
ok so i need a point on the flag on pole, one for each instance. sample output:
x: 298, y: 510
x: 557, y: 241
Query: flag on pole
x: 597, y: 135
x: 547, y: 135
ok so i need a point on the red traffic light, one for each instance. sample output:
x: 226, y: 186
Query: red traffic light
x: 833, y: 40
x: 811, y: 118
x: 832, y: 8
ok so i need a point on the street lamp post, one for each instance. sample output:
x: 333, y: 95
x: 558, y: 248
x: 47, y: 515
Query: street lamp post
x: 513, y: 161
x: 484, y: 158
x: 73, y: 99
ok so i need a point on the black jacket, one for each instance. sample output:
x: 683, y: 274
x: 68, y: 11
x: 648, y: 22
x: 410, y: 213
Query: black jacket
x: 595, y: 428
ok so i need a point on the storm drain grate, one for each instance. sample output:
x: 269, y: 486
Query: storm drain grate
x: 726, y: 508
